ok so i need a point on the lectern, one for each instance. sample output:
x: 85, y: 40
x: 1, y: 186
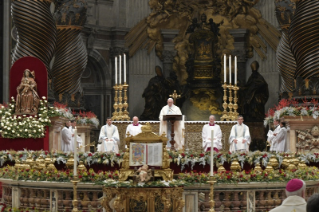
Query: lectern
x: 172, y: 119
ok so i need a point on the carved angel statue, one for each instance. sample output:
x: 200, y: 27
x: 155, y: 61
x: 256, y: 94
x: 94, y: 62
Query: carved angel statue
x: 27, y: 97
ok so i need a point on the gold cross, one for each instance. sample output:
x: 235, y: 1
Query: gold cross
x: 175, y: 96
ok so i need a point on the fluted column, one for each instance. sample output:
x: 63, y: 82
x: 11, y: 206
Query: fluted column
x: 35, y: 29
x: 169, y: 51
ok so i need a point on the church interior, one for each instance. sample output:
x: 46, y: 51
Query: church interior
x: 159, y: 105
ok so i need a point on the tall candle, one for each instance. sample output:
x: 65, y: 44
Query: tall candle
x: 120, y: 69
x: 230, y: 69
x: 225, y: 68
x: 75, y: 167
x: 124, y: 59
x: 115, y: 70
x: 235, y: 70
x: 212, y: 154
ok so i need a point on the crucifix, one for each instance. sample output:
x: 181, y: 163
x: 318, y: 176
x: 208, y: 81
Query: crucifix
x: 175, y: 96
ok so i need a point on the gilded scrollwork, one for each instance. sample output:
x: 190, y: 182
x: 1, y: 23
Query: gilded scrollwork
x: 308, y: 140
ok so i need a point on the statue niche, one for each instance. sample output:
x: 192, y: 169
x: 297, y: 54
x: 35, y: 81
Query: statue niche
x: 27, y: 96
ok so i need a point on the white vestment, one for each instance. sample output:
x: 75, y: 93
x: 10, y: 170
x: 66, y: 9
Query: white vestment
x: 67, y: 142
x: 239, y: 132
x: 271, y: 137
x: 292, y: 204
x: 109, y: 132
x: 133, y: 130
x: 280, y: 140
x: 78, y: 138
x: 207, y: 134
x: 178, y: 125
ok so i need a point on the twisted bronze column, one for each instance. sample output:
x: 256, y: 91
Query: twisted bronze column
x: 71, y: 55
x: 304, y: 38
x: 36, y: 30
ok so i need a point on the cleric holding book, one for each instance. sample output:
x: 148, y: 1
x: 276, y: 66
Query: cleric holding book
x: 134, y: 128
x: 109, y: 138
x: 239, y: 138
x: 171, y: 109
x: 207, y: 134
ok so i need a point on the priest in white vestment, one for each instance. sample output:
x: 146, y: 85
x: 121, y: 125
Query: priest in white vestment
x: 109, y: 139
x: 67, y: 142
x: 207, y: 135
x: 134, y: 128
x: 271, y: 135
x: 281, y: 138
x: 78, y: 138
x: 239, y: 138
x: 171, y: 109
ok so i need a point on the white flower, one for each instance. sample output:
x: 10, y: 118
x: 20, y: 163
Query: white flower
x: 42, y: 134
x: 18, y: 135
x: 26, y: 130
x: 30, y: 135
x: 12, y: 97
x: 43, y: 97
x: 0, y: 131
x: 2, y: 106
x: 13, y: 131
x: 34, y: 131
x: 12, y: 106
x: 35, y: 116
x: 39, y: 130
x: 45, y: 101
x: 24, y: 115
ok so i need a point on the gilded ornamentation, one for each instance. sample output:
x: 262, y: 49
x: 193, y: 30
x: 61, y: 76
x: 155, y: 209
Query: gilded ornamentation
x: 143, y: 199
x: 308, y: 140
x: 205, y: 99
x: 168, y: 14
x: 27, y: 98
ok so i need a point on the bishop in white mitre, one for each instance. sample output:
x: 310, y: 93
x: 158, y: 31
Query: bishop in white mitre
x: 78, y: 138
x: 239, y: 138
x: 207, y: 135
x: 109, y: 139
x: 280, y: 140
x: 272, y: 134
x: 171, y: 109
x: 134, y: 128
x: 67, y: 142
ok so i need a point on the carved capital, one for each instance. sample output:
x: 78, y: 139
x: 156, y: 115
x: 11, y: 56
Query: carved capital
x: 168, y: 56
x: 115, y: 51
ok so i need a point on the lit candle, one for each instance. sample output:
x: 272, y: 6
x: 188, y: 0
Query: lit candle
x: 212, y: 154
x: 75, y: 167
x: 120, y: 68
x: 230, y: 69
x: 115, y: 70
x: 235, y: 70
x: 124, y: 60
x: 225, y: 63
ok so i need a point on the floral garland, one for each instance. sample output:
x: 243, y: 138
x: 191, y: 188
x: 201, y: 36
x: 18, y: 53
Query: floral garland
x: 292, y: 108
x: 85, y: 118
x: 309, y: 173
x: 23, y: 126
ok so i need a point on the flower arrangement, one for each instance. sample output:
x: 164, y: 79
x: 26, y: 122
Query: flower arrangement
x: 23, y: 126
x: 85, y: 118
x: 63, y: 110
x: 292, y: 108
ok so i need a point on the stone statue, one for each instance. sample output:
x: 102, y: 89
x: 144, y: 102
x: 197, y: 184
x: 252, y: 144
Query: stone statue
x: 215, y: 27
x: 27, y: 97
x: 254, y: 95
x: 157, y: 92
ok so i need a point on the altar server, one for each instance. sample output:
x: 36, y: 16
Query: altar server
x: 134, y: 128
x: 109, y: 138
x: 171, y: 109
x: 78, y: 138
x: 280, y: 139
x: 207, y: 134
x: 67, y: 142
x: 295, y: 201
x: 271, y: 135
x: 239, y: 138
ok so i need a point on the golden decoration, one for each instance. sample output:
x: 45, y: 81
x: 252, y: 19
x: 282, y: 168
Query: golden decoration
x: 75, y: 193
x: 221, y: 168
x: 30, y: 160
x: 40, y: 164
x: 273, y: 162
x: 81, y: 167
x: 211, y: 195
x: 119, y: 115
x: 302, y: 164
x: 285, y: 162
x: 149, y: 199
x: 269, y: 168
x: 205, y: 99
x: 258, y: 168
x: 235, y: 166
x: 178, y: 14
x: 175, y: 96
x: 70, y: 163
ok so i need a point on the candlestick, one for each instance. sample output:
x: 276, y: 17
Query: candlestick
x: 211, y: 195
x: 231, y: 116
x: 75, y: 166
x: 235, y: 70
x: 212, y: 154
x: 124, y: 59
x: 120, y: 69
x: 225, y: 64
x: 75, y: 199
x: 125, y: 116
x: 115, y: 105
x: 115, y: 70
x: 230, y: 69
x: 225, y: 105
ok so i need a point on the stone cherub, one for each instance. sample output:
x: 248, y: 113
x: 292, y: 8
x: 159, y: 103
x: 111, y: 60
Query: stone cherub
x: 144, y: 173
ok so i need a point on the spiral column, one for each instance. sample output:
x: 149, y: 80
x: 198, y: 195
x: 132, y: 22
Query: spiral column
x: 36, y: 30
x: 71, y: 55
x: 304, y: 38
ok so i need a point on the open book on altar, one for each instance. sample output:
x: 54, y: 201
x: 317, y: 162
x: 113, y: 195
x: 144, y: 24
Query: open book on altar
x: 143, y: 153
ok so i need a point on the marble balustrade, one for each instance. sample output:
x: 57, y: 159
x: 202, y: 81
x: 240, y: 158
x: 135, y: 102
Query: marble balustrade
x: 57, y: 196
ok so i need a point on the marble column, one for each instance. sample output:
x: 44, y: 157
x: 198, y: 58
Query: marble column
x: 240, y: 43
x: 6, y: 49
x: 169, y: 52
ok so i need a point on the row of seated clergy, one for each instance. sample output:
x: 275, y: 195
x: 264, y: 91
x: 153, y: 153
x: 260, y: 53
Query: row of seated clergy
x: 68, y: 137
